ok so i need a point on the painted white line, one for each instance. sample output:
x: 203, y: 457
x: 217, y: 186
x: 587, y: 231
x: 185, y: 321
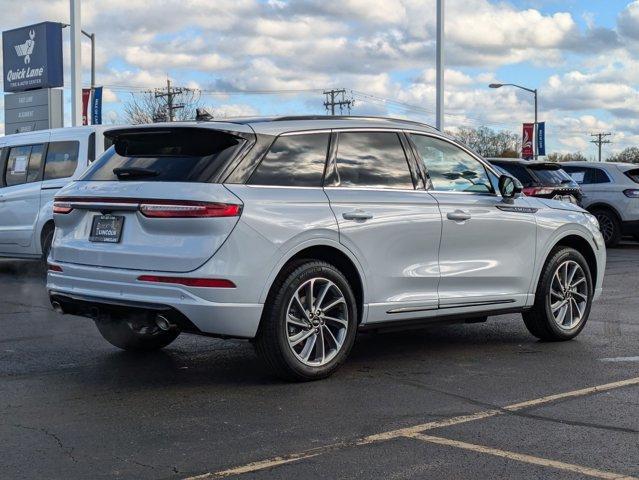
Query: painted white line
x: 620, y: 359
x: 520, y: 457
x: 414, y: 430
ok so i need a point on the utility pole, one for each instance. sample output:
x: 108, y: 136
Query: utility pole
x: 337, y: 98
x: 439, y: 57
x: 76, y: 64
x: 600, y: 140
x: 169, y: 96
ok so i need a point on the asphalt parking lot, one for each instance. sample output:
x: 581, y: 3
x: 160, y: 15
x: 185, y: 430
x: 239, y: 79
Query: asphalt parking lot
x: 457, y: 402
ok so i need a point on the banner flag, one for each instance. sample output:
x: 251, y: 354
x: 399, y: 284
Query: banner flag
x: 541, y: 138
x: 86, y: 96
x: 527, y: 150
x: 96, y: 107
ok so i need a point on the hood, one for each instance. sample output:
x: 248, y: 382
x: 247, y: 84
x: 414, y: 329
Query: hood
x: 558, y: 205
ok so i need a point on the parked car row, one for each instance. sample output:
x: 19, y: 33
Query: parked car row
x: 297, y: 232
x: 610, y: 191
x: 33, y: 167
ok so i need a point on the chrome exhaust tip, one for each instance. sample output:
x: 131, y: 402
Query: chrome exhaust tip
x: 163, y: 323
x: 57, y: 307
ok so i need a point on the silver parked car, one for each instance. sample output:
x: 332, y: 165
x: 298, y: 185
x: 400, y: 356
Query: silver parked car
x: 611, y: 193
x: 297, y: 232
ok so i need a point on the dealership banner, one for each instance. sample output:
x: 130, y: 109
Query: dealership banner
x: 541, y: 138
x: 527, y: 150
x: 86, y: 97
x: 96, y: 106
x: 32, y: 57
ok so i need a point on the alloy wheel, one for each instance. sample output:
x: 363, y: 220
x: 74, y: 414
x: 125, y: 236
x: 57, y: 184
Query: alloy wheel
x: 317, y: 321
x: 606, y: 226
x: 568, y: 296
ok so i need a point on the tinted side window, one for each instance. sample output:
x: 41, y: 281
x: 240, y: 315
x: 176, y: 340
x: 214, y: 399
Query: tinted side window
x: 24, y: 164
x: 578, y: 174
x: 293, y: 161
x: 450, y: 168
x: 599, y: 176
x: 371, y: 159
x: 62, y: 159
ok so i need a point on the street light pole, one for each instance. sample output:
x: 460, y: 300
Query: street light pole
x: 534, y: 92
x: 76, y: 65
x: 439, y: 56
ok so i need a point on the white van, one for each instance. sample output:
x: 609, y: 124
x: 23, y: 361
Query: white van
x: 33, y: 167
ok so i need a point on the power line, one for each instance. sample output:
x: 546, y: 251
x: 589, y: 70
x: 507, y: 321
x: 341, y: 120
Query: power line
x: 169, y: 95
x: 337, y: 98
x: 600, y: 140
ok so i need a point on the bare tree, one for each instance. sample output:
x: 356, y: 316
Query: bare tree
x: 627, y: 155
x: 566, y: 157
x: 150, y: 107
x: 488, y: 142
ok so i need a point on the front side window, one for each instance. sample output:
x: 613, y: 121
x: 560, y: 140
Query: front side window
x: 371, y: 159
x: 293, y: 161
x: 24, y: 164
x: 450, y: 168
x: 62, y: 159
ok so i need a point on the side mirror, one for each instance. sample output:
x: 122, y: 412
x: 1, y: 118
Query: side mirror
x: 509, y: 187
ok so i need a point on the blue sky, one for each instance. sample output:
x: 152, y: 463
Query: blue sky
x: 582, y: 55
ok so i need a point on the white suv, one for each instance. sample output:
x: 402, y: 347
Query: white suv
x: 611, y: 193
x: 297, y: 232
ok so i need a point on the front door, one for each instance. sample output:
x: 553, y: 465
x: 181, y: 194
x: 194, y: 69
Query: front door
x: 487, y: 252
x: 392, y: 228
x: 20, y: 197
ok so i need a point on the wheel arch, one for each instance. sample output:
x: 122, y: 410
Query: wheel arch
x: 604, y: 206
x: 331, y: 253
x: 583, y: 246
x: 49, y: 224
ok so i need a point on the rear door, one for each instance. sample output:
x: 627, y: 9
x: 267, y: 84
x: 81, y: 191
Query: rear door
x: 393, y: 228
x: 151, y: 202
x: 595, y: 183
x: 20, y: 197
x: 487, y: 249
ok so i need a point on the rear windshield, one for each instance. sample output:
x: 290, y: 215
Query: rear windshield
x: 551, y: 175
x: 518, y: 171
x: 165, y: 155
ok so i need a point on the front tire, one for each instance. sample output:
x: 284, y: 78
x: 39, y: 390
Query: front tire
x: 133, y: 336
x: 309, y: 322
x: 563, y: 298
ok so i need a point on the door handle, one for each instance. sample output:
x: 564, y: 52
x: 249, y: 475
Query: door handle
x: 357, y: 215
x: 458, y: 216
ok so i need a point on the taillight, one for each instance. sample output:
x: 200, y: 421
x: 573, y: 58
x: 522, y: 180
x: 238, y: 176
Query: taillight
x: 180, y: 209
x: 54, y: 268
x: 189, y: 282
x: 534, y: 191
x: 62, y: 208
x: 631, y: 193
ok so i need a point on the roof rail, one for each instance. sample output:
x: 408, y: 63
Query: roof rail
x: 348, y: 117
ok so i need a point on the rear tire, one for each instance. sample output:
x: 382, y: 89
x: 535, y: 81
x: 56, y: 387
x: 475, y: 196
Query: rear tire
x: 310, y: 338
x: 46, y: 241
x: 609, y: 225
x: 130, y: 336
x: 561, y: 307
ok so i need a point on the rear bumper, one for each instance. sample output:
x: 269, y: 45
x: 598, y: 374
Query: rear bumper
x: 81, y: 290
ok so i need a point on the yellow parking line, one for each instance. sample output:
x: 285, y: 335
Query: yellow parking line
x: 520, y: 457
x: 417, y: 429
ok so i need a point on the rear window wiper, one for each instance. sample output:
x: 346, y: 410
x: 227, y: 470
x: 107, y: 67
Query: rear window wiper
x: 124, y: 173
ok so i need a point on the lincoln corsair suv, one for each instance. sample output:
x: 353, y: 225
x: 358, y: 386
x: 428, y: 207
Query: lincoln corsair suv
x: 297, y: 232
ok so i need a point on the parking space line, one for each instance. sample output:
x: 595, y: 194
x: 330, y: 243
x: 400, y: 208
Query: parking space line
x: 417, y: 429
x: 521, y: 457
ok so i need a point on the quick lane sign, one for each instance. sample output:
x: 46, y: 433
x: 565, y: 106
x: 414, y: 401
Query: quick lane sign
x: 32, y: 57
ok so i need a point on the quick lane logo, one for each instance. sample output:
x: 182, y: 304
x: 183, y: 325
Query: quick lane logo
x: 26, y: 49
